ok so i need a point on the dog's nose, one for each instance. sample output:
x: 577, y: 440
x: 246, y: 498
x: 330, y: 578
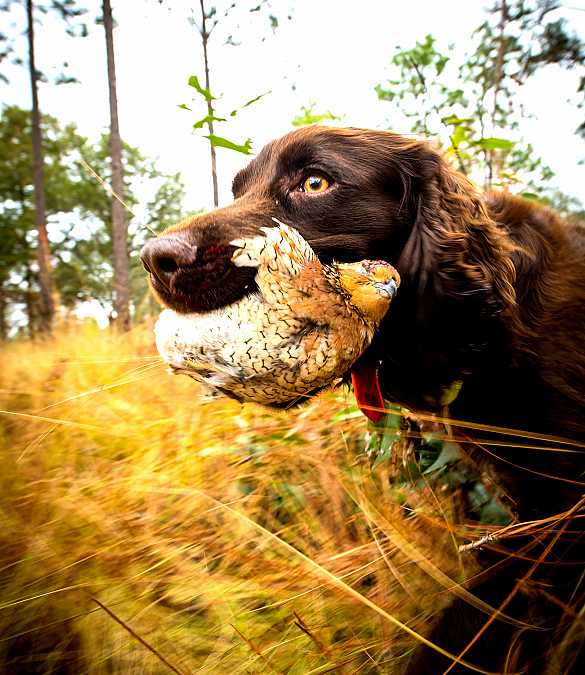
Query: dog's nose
x: 163, y: 257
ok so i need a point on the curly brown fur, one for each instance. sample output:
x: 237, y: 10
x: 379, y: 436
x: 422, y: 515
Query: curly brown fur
x: 493, y: 294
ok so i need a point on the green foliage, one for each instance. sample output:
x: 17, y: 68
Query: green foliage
x: 194, y: 82
x: 518, y: 39
x: 494, y: 144
x: 16, y: 151
x: 206, y: 120
x: 418, y: 89
x: 308, y: 115
x: 469, y: 107
x: 247, y: 104
x: 534, y: 36
x: 213, y: 118
x: 78, y: 211
x: 426, y: 455
x: 18, y: 260
x: 90, y: 255
x: 219, y: 142
x: 478, y: 118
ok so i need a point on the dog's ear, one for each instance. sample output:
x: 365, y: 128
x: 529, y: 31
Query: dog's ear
x: 454, y: 245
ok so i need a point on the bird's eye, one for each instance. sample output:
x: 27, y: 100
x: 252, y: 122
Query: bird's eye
x: 314, y: 184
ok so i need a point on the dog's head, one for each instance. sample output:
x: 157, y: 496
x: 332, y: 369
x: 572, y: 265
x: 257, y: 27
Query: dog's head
x: 333, y: 185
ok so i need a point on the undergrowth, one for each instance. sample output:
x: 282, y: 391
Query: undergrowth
x: 143, y: 530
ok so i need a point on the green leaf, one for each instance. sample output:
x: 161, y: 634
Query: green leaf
x: 194, y: 82
x: 248, y: 103
x: 183, y: 106
x: 454, y: 96
x: 494, y: 144
x: 453, y: 119
x: 384, y: 94
x: 220, y: 142
x: 460, y: 135
x: 441, y: 63
x: 349, y: 413
x: 205, y: 120
x: 65, y: 79
x: 310, y: 116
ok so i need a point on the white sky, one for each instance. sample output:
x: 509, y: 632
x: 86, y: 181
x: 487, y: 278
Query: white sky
x: 331, y: 52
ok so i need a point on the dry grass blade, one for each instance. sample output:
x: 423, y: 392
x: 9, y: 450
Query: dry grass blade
x: 135, y: 635
x: 526, y: 469
x: 32, y: 598
x: 506, y: 431
x: 503, y: 431
x: 320, y: 645
x: 132, y: 377
x: 59, y: 422
x: 258, y: 653
x: 109, y: 189
x: 530, y: 527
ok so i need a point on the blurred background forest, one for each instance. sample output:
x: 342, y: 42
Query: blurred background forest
x: 140, y: 529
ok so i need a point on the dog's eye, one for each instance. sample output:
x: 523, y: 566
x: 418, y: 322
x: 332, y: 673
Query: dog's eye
x: 314, y: 184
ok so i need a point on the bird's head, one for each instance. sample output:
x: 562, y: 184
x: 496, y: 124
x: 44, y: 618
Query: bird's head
x: 370, y: 286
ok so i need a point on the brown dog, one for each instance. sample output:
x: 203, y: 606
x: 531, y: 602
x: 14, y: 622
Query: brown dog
x: 492, y: 296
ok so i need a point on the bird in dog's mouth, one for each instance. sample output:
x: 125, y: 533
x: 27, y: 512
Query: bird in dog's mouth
x: 302, y: 325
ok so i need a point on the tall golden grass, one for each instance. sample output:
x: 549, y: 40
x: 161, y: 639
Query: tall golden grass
x: 143, y: 530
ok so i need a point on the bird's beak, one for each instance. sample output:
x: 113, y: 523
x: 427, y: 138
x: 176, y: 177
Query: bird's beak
x: 387, y: 288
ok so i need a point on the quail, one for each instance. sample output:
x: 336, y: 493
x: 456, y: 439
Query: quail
x: 301, y: 330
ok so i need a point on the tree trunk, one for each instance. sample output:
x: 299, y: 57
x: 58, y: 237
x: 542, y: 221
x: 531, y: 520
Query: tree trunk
x: 210, y: 111
x: 3, y: 312
x: 48, y: 297
x: 119, y: 225
x: 32, y: 303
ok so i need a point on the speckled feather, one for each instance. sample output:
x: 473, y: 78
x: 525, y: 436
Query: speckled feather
x: 301, y: 331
